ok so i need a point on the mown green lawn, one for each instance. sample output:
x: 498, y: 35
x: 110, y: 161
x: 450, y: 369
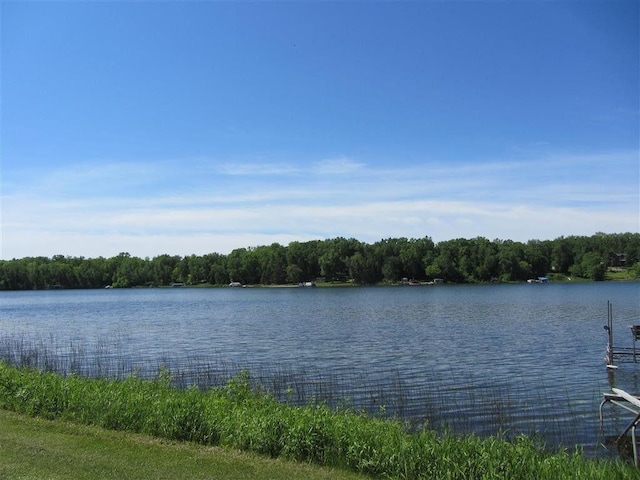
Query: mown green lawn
x: 34, y: 448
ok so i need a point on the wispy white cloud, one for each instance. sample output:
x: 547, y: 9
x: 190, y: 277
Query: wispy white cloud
x: 336, y: 166
x: 257, y: 169
x: 140, y: 208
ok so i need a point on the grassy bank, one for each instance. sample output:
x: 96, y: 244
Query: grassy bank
x: 38, y: 448
x: 238, y: 417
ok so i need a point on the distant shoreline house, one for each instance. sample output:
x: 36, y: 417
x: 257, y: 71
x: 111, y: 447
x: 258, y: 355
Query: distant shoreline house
x: 617, y: 260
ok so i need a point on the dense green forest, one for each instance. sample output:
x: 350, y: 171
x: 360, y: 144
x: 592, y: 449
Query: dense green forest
x: 341, y: 259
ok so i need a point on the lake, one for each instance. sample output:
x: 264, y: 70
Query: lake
x: 478, y: 358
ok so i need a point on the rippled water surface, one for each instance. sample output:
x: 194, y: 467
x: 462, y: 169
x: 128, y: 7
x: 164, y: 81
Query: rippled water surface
x: 519, y: 358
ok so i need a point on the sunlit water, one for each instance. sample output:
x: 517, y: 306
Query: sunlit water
x: 484, y: 359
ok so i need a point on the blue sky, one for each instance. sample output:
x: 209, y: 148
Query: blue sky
x: 198, y: 127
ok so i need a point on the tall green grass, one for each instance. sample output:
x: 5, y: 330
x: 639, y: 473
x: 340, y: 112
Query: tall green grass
x: 240, y: 416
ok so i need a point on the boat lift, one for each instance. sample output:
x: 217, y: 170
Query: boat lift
x: 631, y: 404
x: 620, y: 353
x: 621, y: 398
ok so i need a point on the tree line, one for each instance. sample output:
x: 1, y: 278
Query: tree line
x: 337, y: 260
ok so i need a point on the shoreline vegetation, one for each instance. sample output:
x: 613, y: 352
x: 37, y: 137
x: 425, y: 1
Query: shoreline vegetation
x: 341, y: 261
x: 620, y: 275
x: 238, y: 416
x: 36, y: 448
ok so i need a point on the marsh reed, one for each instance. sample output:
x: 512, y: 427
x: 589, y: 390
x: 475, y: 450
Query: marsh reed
x: 438, y: 400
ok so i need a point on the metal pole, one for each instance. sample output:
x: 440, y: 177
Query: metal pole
x: 610, y: 331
